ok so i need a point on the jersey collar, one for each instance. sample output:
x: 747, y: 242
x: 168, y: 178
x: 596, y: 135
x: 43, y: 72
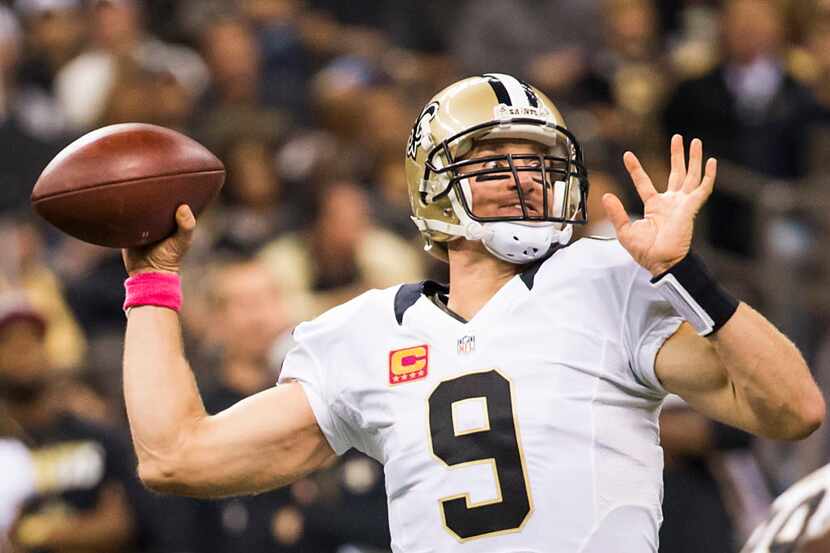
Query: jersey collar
x: 408, y: 294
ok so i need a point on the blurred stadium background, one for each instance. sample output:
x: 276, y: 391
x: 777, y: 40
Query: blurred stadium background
x: 309, y: 104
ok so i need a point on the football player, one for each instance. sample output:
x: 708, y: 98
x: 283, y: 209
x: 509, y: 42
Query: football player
x: 515, y: 409
x: 799, y: 520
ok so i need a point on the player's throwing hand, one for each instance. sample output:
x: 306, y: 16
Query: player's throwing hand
x: 663, y: 236
x: 165, y: 256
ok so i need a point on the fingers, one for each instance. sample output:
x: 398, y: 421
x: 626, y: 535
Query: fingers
x: 616, y: 212
x: 678, y: 163
x: 682, y: 177
x: 695, y: 162
x: 185, y: 219
x: 186, y: 222
x: 641, y: 180
x: 708, y: 182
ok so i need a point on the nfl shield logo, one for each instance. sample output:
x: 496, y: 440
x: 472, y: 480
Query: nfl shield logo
x: 466, y: 344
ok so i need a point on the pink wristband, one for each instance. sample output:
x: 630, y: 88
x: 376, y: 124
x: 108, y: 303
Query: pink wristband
x: 159, y: 289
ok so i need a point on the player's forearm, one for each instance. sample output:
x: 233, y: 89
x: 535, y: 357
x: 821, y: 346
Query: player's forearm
x: 770, y: 378
x: 163, y: 402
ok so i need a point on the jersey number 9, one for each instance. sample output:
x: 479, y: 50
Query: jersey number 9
x: 497, y: 443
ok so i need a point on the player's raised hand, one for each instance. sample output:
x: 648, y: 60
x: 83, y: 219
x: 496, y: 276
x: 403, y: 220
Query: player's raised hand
x: 164, y: 256
x: 664, y: 235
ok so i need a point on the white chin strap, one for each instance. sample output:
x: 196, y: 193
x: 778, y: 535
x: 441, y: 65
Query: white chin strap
x: 514, y: 242
x: 517, y: 242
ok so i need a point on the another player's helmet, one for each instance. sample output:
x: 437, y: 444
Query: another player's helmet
x: 493, y: 106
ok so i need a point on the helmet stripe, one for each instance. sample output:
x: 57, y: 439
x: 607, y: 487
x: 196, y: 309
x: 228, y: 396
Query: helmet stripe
x: 502, y: 95
x: 515, y: 89
x: 531, y: 96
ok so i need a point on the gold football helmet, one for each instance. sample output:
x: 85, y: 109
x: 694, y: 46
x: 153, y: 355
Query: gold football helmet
x: 490, y: 107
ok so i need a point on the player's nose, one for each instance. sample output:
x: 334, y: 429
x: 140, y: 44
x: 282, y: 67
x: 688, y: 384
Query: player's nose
x: 529, y: 180
x: 528, y: 187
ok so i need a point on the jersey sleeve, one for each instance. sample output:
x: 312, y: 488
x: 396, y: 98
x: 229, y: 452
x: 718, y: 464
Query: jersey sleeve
x: 328, y: 354
x: 303, y: 366
x: 648, y: 321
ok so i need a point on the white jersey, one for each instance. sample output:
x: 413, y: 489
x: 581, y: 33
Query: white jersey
x: 531, y: 428
x: 798, y: 517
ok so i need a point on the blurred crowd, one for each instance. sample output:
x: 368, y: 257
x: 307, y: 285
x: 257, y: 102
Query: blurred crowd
x: 309, y: 104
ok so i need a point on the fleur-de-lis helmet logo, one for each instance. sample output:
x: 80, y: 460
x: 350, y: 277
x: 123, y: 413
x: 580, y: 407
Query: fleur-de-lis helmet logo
x: 417, y: 134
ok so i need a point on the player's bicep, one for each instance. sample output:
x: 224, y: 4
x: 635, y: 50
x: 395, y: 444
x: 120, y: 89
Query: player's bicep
x: 688, y: 365
x: 265, y: 441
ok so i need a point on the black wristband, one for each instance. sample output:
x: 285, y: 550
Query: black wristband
x: 696, y: 295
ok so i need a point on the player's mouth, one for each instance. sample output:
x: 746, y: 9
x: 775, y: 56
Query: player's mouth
x: 515, y: 210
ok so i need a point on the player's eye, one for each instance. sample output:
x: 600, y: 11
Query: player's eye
x: 556, y: 165
x: 501, y: 167
x: 496, y: 164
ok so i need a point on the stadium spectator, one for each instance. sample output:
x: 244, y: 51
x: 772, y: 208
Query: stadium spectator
x: 340, y: 256
x: 248, y: 319
x: 11, y: 40
x: 520, y: 32
x: 286, y: 64
x: 231, y: 52
x: 85, y: 86
x: 632, y: 63
x: 97, y: 518
x: 234, y: 107
x: 248, y: 323
x: 17, y: 477
x: 351, y: 95
x: 753, y: 110
x: 26, y: 473
x: 24, y: 152
x: 811, y: 63
x: 390, y: 202
x: 29, y: 475
x: 748, y: 110
x: 255, y: 209
x: 387, y: 112
x: 24, y: 265
x: 55, y: 34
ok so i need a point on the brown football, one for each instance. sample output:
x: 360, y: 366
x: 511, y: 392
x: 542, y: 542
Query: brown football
x: 120, y: 185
